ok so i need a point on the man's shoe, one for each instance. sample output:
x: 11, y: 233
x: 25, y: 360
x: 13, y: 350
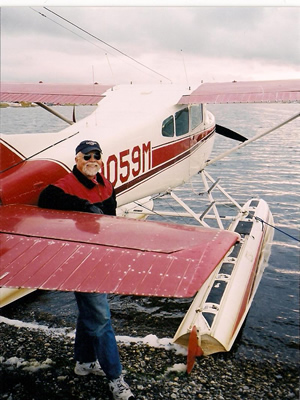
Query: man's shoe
x: 120, y: 389
x: 88, y: 368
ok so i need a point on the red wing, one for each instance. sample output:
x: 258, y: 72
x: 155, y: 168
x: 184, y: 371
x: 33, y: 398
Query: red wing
x: 72, y: 251
x: 53, y: 93
x: 286, y: 91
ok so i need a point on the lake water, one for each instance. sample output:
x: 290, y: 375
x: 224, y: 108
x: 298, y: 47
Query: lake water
x: 268, y: 168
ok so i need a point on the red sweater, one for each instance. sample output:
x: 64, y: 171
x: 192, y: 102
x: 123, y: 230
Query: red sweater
x: 76, y: 192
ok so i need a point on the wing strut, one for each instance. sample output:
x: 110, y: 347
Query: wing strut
x: 54, y: 112
x: 258, y: 136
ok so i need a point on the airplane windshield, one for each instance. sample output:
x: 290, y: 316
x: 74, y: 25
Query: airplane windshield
x: 182, y: 122
x: 168, y: 127
x: 182, y: 118
x: 196, y: 115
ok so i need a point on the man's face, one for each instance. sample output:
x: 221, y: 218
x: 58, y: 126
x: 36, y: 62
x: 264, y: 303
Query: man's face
x: 88, y: 164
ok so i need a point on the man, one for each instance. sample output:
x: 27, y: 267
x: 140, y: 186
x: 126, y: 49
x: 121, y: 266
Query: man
x: 86, y: 189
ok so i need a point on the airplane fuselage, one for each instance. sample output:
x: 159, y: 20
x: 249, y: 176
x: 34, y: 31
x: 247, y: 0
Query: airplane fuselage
x: 150, y: 144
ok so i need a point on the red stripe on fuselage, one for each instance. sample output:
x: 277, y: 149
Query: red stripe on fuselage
x: 21, y: 180
x: 9, y: 156
x: 169, y: 151
x: 169, y: 154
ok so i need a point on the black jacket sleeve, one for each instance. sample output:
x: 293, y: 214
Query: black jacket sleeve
x: 55, y: 198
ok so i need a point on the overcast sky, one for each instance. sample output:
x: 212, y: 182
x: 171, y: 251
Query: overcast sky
x: 183, y: 44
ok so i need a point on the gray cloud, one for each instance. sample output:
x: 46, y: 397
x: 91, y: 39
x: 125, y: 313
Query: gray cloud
x: 32, y: 44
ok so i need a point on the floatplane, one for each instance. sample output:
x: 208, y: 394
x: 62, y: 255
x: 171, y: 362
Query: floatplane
x: 154, y: 139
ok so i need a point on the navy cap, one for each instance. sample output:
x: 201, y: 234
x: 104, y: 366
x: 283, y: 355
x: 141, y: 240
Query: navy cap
x: 88, y: 145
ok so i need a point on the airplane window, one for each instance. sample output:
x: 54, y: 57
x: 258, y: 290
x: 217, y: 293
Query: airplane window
x: 182, y: 122
x: 196, y: 115
x: 168, y: 127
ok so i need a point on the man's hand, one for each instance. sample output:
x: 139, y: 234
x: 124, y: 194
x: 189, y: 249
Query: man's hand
x: 91, y: 208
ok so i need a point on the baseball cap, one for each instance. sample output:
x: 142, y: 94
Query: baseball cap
x: 88, y: 145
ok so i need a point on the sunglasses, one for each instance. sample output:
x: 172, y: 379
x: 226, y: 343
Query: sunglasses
x: 96, y: 156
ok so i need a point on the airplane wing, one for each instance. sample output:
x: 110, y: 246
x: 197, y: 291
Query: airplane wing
x: 53, y: 93
x: 284, y: 91
x: 72, y: 251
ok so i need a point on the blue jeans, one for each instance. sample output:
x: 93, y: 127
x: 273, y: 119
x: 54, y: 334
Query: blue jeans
x: 95, y: 338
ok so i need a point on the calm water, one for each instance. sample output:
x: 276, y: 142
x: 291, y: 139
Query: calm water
x: 268, y: 168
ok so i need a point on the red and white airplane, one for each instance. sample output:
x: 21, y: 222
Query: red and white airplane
x: 154, y: 138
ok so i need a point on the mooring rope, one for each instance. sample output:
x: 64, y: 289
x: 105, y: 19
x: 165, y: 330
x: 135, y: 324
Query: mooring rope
x: 257, y: 218
x: 277, y: 229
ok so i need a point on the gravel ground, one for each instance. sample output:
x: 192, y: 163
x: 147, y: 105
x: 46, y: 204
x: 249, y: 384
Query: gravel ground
x: 37, y: 366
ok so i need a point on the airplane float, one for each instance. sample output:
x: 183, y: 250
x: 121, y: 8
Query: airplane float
x: 154, y: 138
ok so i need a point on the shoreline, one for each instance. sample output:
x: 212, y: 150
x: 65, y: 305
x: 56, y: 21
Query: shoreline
x: 40, y: 366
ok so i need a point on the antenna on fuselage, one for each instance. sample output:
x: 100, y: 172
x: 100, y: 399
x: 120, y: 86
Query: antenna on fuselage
x: 111, y: 70
x: 185, y: 71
